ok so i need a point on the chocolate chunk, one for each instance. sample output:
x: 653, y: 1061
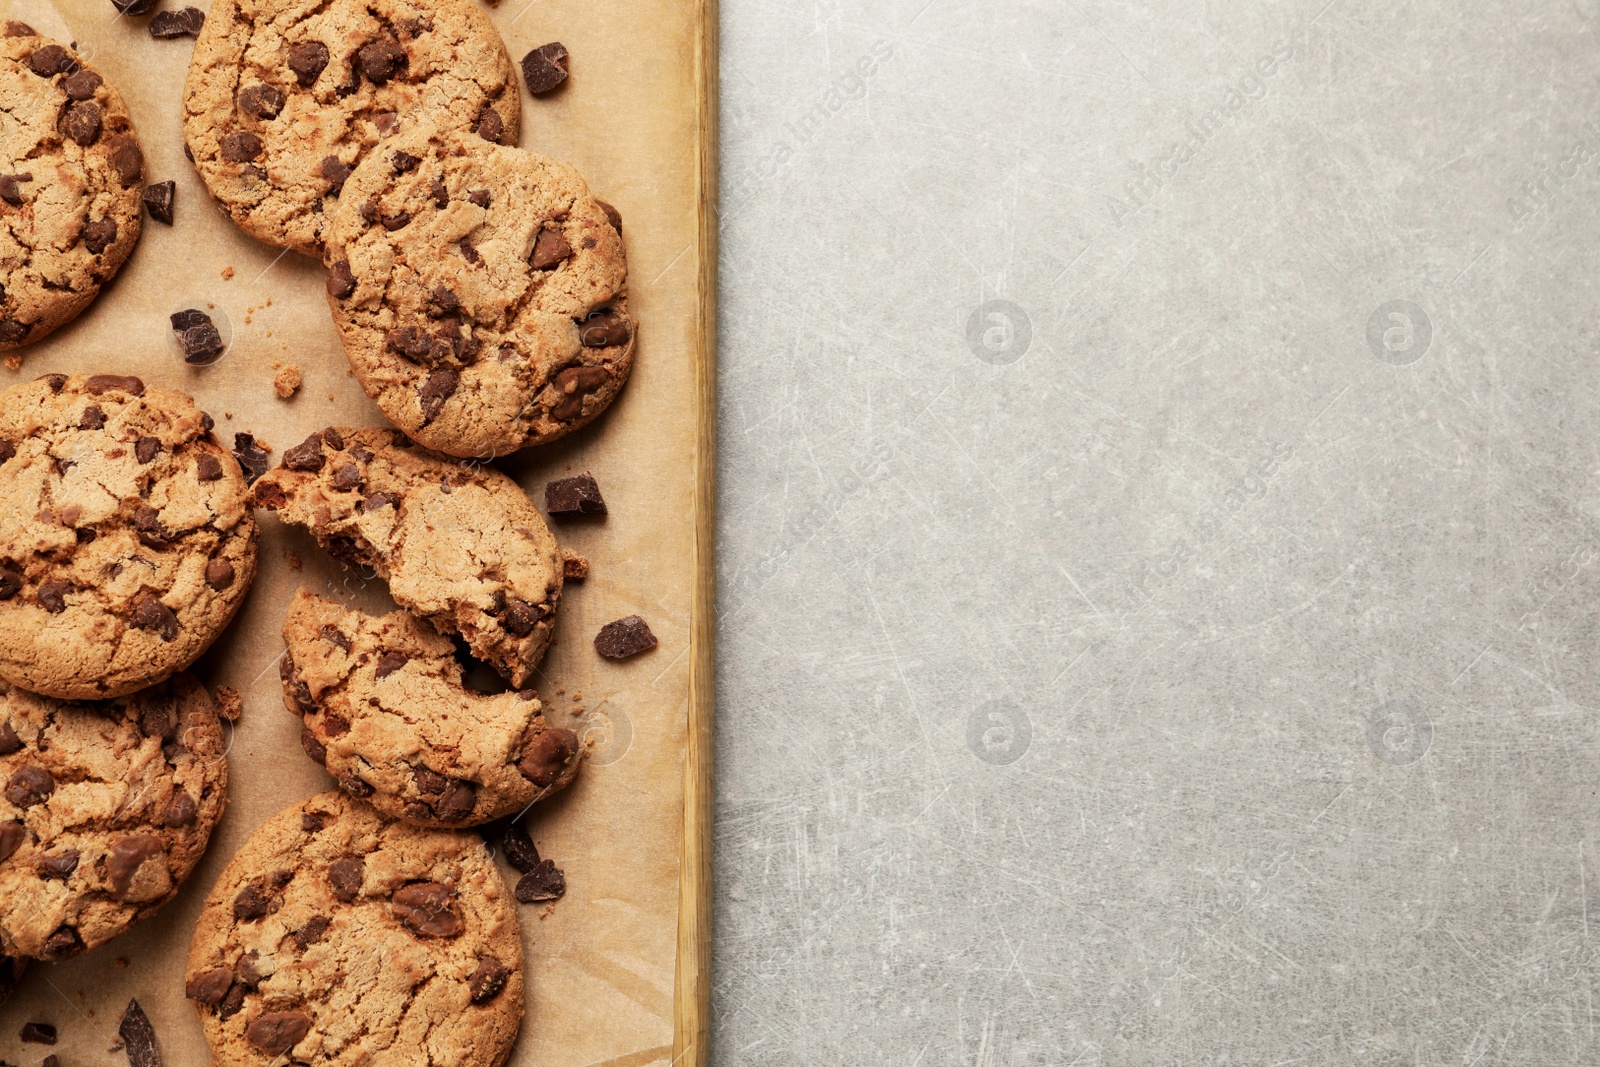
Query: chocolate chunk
x: 487, y: 980
x: 335, y: 636
x: 346, y: 476
x: 547, y: 756
x: 7, y: 450
x: 442, y: 302
x: 10, y: 192
x: 10, y: 583
x: 181, y: 810
x: 312, y: 932
x: 52, y: 596
x: 197, y: 335
x: 156, y: 721
x: 381, y: 60
x: 63, y: 944
x: 605, y: 328
x: 262, y: 101
x: 145, y: 449
x: 460, y: 797
x: 12, y: 835
x: 335, y: 174
x: 240, y: 147
x: 81, y: 86
x: 544, y: 882
x: 305, y: 456
x: 479, y: 197
x: 390, y: 662
x: 93, y: 418
x: 491, y: 127
x: 578, y: 495
x: 345, y: 875
x: 550, y: 250
x: 158, y: 200
x: 52, y: 59
x: 39, y: 1033
x: 521, y: 617
x: 233, y: 1003
x: 377, y: 501
x: 573, y: 384
x: 126, y: 158
x: 341, y: 282
x: 99, y: 384
x: 10, y: 743
x: 168, y: 25
x: 469, y: 253
x: 625, y: 637
x: 441, y: 195
x: 208, y: 468
x: 56, y: 382
x: 18, y: 29
x: 314, y: 748
x: 314, y: 822
x: 138, y: 1037
x: 254, y: 902
x: 82, y: 122
x: 520, y: 850
x: 439, y: 387
x: 127, y: 855
x: 308, y: 60
x: 276, y: 1032
x: 209, y: 987
x: 427, y: 909
x: 398, y: 221
x: 219, y: 574
x: 59, y: 864
x: 134, y: 7
x: 12, y: 331
x: 612, y: 215
x: 250, y: 456
x: 429, y: 781
x: 545, y: 67
x: 403, y: 162
x: 334, y: 439
x: 100, y: 235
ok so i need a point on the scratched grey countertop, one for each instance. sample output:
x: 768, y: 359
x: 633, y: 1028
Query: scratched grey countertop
x: 1159, y: 533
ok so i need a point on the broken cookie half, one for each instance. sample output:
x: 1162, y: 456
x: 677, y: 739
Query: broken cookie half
x: 386, y: 711
x: 460, y: 545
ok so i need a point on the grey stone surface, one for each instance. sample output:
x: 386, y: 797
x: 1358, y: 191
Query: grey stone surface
x: 1160, y: 533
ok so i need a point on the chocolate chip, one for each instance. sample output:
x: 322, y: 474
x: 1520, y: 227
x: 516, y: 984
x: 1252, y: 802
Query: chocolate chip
x: 50, y: 60
x: 197, y: 335
x: 240, y: 147
x: 10, y: 743
x: 335, y: 174
x: 208, y: 468
x: 460, y: 797
x: 550, y: 250
x: 429, y: 782
x: 263, y: 102
x: 520, y: 850
x: 126, y: 158
x: 487, y: 980
x: 219, y: 574
x: 346, y: 476
x: 390, y: 662
x: 374, y: 502
x: 334, y: 439
x: 145, y: 449
x: 100, y: 235
x: 625, y: 637
x: 479, y: 197
x: 335, y: 636
x: 81, y: 86
x: 521, y: 617
x: 11, y: 192
x: 345, y: 876
x: 254, y: 902
x: 572, y: 385
x: 443, y: 301
x: 341, y: 282
x: 82, y: 122
x: 439, y: 387
x: 181, y: 810
x: 168, y: 25
x: 39, y: 1033
x: 314, y: 748
x: 441, y: 195
x: 276, y: 1032
x: 604, y: 328
x: 251, y: 457
x: 128, y: 855
x: 491, y: 127
x: 545, y: 67
x: 12, y: 331
x: 305, y: 456
x: 312, y: 932
x: 209, y: 987
x: 233, y: 1003
x: 52, y: 596
x: 612, y: 215
x: 7, y: 450
x: 427, y: 909
x: 99, y: 384
x: 19, y: 29
x: 12, y: 835
x: 59, y: 864
x: 469, y: 253
x: 93, y: 418
x: 381, y: 60
x: 398, y: 221
x: 547, y: 756
x: 314, y: 822
x: 544, y: 882
x: 578, y: 495
x: 403, y: 162
x: 10, y: 583
x: 308, y: 60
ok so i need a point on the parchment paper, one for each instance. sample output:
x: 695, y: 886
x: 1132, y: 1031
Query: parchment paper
x: 600, y: 963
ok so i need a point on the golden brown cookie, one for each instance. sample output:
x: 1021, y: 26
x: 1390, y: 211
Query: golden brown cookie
x: 126, y: 537
x: 480, y: 293
x: 105, y: 808
x: 385, y: 709
x: 285, y: 97
x: 338, y: 936
x: 460, y: 545
x: 71, y: 174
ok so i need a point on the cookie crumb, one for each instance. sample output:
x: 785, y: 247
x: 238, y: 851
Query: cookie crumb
x: 14, y: 362
x: 227, y: 274
x: 294, y: 561
x: 287, y: 381
x: 230, y: 705
x: 574, y: 568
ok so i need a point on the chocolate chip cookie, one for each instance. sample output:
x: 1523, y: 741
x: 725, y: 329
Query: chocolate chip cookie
x: 284, y: 98
x: 71, y: 174
x: 460, y: 545
x: 105, y: 808
x: 386, y: 711
x: 126, y: 537
x: 338, y: 936
x: 479, y: 293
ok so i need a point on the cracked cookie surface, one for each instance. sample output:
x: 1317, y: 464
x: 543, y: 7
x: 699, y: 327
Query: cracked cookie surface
x: 284, y: 97
x: 71, y: 174
x: 105, y: 808
x: 386, y: 711
x: 126, y: 537
x: 479, y: 292
x: 339, y: 936
x: 460, y: 545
